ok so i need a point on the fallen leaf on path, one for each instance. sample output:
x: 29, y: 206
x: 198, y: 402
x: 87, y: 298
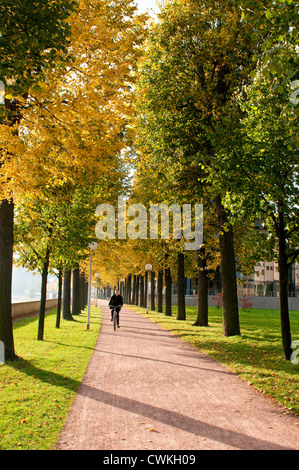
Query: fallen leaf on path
x: 153, y: 430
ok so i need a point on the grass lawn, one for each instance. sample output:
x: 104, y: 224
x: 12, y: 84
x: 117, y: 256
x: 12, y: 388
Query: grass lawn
x: 256, y: 355
x: 37, y: 390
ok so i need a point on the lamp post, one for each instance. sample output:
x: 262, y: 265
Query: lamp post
x: 92, y: 247
x: 97, y: 275
x: 2, y: 93
x: 148, y: 268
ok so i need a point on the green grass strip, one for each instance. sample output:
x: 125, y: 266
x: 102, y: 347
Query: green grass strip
x: 256, y: 355
x: 37, y: 390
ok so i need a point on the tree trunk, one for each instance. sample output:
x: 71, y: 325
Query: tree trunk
x: 43, y: 299
x: 137, y: 290
x: 181, y: 315
x: 129, y: 289
x: 153, y: 290
x: 202, y: 289
x: 6, y: 252
x: 66, y: 304
x: 230, y: 308
x: 160, y: 291
x: 141, y: 297
x: 283, y: 291
x: 85, y: 291
x: 125, y: 290
x: 82, y: 291
x: 58, y: 312
x: 168, y: 311
x: 76, y: 309
x: 6, y: 263
x: 134, y: 290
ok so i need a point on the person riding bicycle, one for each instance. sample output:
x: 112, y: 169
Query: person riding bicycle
x: 116, y: 301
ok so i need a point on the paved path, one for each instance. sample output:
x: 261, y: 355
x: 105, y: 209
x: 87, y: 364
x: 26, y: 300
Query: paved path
x: 146, y: 389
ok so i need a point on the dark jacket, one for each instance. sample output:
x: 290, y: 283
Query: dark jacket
x: 116, y: 300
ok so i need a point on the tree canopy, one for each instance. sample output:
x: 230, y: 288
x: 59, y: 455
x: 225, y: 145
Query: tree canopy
x: 198, y: 107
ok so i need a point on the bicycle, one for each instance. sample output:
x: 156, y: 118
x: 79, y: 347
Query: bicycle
x: 114, y: 315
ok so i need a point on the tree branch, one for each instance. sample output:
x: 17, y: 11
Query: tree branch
x: 272, y: 215
x: 292, y: 257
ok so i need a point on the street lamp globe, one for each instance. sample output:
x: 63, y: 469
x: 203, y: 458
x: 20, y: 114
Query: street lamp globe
x: 93, y: 246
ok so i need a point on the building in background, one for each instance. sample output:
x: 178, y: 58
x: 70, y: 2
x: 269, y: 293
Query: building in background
x: 264, y: 282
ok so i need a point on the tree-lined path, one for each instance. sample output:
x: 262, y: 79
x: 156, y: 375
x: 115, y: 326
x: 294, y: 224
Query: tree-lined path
x: 145, y: 389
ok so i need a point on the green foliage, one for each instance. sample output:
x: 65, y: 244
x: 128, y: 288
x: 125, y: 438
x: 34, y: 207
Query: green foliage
x: 33, y: 34
x: 265, y: 159
x: 62, y: 222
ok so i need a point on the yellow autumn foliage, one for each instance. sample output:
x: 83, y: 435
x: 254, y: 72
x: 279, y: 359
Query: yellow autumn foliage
x: 75, y: 123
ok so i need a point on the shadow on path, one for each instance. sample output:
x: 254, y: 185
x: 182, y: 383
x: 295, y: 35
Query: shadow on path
x: 179, y: 421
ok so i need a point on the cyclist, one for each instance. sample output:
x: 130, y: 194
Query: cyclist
x: 116, y: 301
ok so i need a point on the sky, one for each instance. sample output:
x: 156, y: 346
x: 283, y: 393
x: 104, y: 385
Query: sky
x: 144, y: 5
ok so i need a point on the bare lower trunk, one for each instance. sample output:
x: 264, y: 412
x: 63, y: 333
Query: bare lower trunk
x: 202, y: 289
x: 230, y: 308
x: 134, y: 290
x: 42, y: 309
x: 58, y: 312
x: 283, y: 292
x: 66, y: 303
x: 6, y: 263
x: 76, y: 309
x: 181, y: 315
x: 82, y: 291
x: 141, y: 296
x: 168, y: 311
x: 129, y: 285
x: 137, y: 290
x: 160, y: 291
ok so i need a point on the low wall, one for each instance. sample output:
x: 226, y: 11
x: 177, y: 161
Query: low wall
x: 257, y: 302
x: 23, y: 309
x: 273, y: 303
